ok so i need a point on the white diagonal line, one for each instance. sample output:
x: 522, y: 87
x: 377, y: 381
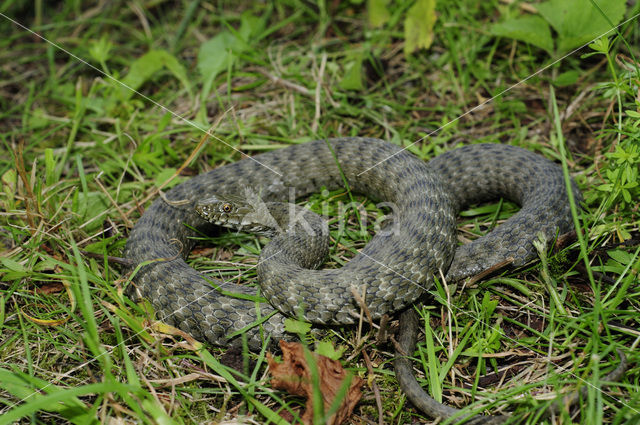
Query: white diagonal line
x: 175, y: 114
x: 544, y: 68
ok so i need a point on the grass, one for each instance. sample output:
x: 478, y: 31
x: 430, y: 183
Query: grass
x: 84, y: 156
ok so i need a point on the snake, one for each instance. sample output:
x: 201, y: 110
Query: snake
x: 391, y: 272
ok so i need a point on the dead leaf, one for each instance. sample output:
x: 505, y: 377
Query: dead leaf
x: 50, y: 288
x: 294, y: 376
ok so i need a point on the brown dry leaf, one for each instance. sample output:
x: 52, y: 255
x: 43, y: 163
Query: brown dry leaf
x: 294, y: 376
x: 50, y: 288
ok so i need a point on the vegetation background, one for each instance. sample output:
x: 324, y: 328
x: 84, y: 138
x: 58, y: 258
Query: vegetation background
x: 84, y: 154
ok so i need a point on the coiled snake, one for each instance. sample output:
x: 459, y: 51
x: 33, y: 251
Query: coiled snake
x: 394, y: 268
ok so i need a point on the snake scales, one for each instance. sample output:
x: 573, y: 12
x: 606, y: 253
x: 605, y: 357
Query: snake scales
x: 395, y: 267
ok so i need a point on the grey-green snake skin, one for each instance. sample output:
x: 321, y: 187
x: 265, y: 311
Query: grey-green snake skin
x: 395, y: 268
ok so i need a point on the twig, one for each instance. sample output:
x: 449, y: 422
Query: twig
x: 360, y: 300
x: 320, y: 77
x: 374, y: 386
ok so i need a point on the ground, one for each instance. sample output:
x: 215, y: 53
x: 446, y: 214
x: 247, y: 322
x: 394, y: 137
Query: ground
x: 105, y: 104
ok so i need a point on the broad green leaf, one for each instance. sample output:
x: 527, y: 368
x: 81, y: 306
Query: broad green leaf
x: 352, y: 79
x: 11, y: 265
x: 325, y: 348
x: 530, y: 29
x: 144, y: 68
x: 214, y: 57
x: 251, y: 26
x: 378, y: 12
x: 214, y: 54
x: 165, y: 175
x: 91, y: 205
x: 9, y: 179
x: 621, y: 256
x: 580, y: 21
x: 296, y: 326
x: 566, y: 78
x: 176, y: 68
x: 418, y: 26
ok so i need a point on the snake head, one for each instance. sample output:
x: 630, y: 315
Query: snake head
x: 236, y: 212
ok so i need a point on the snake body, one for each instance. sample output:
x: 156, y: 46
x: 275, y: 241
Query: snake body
x: 394, y: 268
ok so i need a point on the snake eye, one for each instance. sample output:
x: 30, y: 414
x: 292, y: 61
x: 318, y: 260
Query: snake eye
x: 227, y: 208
